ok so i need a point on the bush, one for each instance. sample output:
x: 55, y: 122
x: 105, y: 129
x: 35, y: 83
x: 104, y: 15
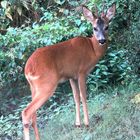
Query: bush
x: 18, y: 44
x: 114, y: 68
x: 131, y: 43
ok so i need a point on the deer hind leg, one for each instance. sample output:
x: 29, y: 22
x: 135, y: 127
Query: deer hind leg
x: 34, y: 120
x: 82, y: 88
x: 44, y: 90
x: 34, y: 117
x: 76, y: 95
x: 34, y: 125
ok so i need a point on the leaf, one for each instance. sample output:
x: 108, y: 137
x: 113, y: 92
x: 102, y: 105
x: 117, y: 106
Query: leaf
x: 25, y: 5
x: 97, y: 71
x: 4, y: 4
x: 78, y: 22
x: 33, y: 2
x: 9, y: 16
x: 1, y: 118
x: 66, y: 12
x: 19, y: 10
x: 60, y: 1
x: 105, y: 73
x: 136, y: 99
x: 111, y: 54
x: 8, y: 13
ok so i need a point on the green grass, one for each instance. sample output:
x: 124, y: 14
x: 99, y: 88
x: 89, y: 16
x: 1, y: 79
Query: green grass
x: 114, y: 115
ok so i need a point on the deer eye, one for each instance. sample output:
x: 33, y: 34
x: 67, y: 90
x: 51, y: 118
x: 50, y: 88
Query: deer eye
x: 95, y: 29
x: 106, y: 28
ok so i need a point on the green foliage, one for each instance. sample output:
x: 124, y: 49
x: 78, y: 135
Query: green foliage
x: 17, y: 12
x: 18, y: 44
x: 130, y: 41
x: 10, y: 123
x: 59, y: 21
x: 114, y: 68
x: 10, y: 126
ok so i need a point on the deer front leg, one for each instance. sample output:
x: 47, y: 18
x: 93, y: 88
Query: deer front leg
x: 82, y: 87
x: 76, y: 95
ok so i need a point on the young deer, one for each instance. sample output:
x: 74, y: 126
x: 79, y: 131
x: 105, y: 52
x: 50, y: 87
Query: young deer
x: 72, y: 59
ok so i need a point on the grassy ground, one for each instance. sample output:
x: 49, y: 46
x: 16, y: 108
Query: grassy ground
x: 114, y: 115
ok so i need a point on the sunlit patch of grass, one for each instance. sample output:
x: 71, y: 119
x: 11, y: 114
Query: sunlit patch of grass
x: 113, y: 116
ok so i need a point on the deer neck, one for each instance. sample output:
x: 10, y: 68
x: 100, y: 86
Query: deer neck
x: 99, y: 50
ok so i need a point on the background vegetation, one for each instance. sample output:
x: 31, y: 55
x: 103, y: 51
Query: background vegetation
x: 113, y: 86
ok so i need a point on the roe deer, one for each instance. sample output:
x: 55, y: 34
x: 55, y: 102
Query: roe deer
x: 72, y: 59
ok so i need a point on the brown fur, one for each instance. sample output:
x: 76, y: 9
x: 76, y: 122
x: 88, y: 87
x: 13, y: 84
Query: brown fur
x: 68, y: 59
x: 72, y: 59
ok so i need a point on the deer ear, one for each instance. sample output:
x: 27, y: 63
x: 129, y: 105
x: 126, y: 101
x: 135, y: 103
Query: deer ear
x: 88, y: 14
x: 111, y: 12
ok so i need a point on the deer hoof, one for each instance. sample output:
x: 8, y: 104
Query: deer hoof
x: 77, y: 126
x: 87, y: 126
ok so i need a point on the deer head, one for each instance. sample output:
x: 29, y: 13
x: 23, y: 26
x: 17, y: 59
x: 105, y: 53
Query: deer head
x: 100, y: 23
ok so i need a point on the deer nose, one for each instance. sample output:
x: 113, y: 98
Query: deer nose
x: 102, y: 41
